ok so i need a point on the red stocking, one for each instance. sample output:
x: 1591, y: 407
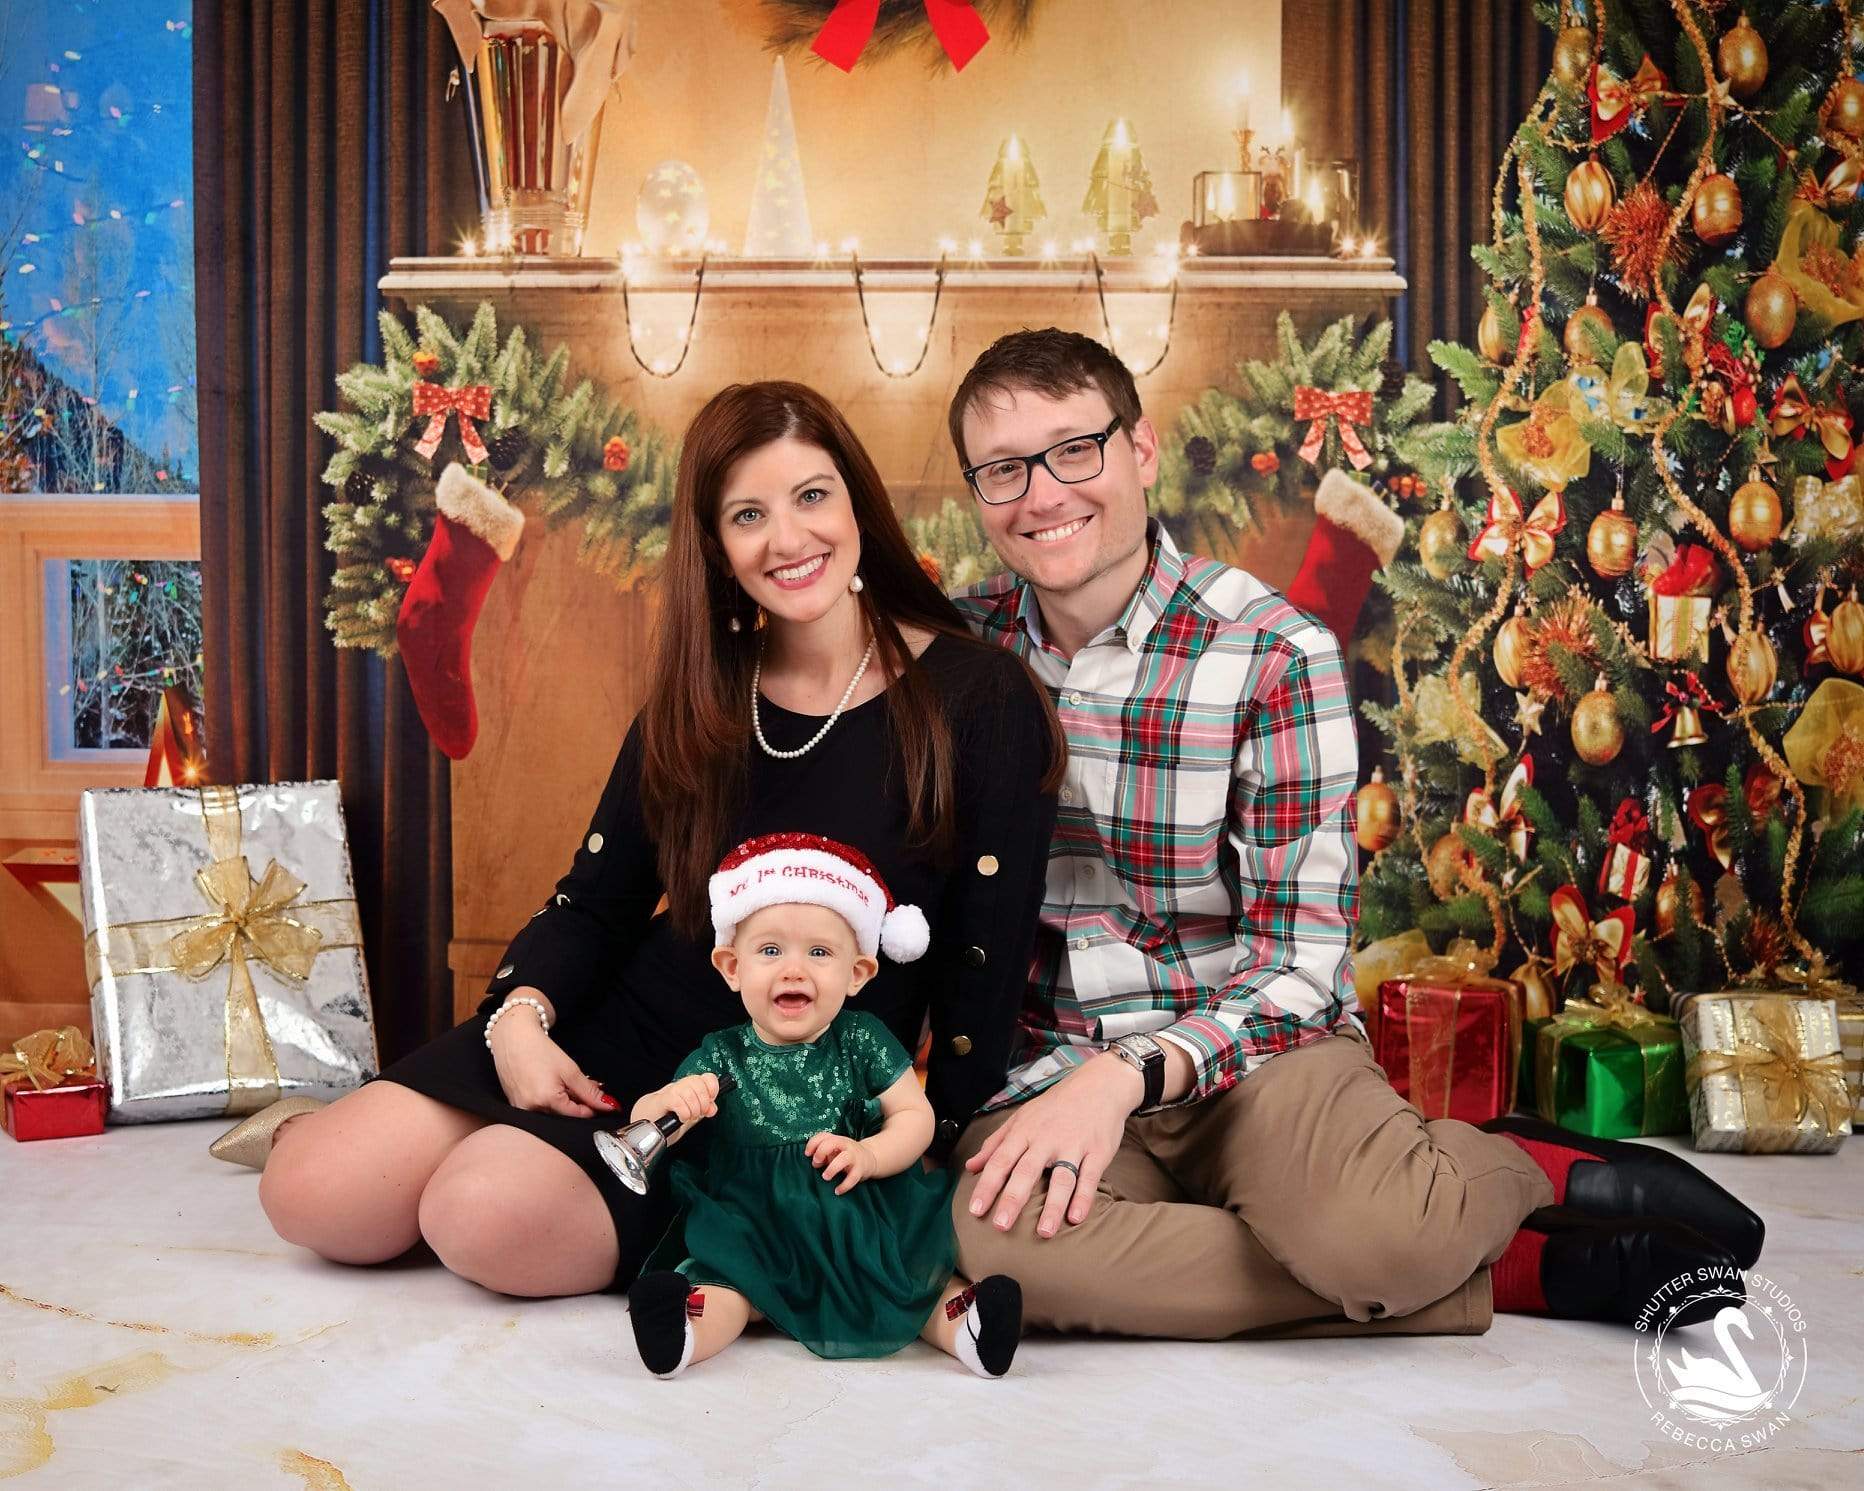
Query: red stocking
x: 475, y: 532
x: 1354, y: 536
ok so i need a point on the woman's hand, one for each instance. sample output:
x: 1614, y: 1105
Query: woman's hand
x: 693, y: 1098
x: 538, y: 1075
x: 838, y: 1155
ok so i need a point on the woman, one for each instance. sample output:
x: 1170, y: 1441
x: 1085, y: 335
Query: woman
x: 807, y: 676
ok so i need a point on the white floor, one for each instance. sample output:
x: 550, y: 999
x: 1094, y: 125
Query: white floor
x: 154, y: 1333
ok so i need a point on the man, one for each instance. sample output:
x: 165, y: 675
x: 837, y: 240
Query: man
x: 1194, y: 1139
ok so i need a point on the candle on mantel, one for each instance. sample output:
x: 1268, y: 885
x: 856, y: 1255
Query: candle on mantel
x: 1120, y: 176
x: 1013, y: 172
x: 1242, y: 103
x: 1297, y: 157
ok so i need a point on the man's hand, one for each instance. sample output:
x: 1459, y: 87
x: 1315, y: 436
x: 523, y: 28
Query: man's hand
x: 1080, y: 1119
x: 838, y: 1155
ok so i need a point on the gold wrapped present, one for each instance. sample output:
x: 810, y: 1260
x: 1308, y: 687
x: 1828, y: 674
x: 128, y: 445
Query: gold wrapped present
x: 1765, y: 1073
x: 1679, y: 627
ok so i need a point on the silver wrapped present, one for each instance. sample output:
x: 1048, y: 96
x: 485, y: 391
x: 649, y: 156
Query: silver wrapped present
x: 223, y: 948
x: 1765, y: 1073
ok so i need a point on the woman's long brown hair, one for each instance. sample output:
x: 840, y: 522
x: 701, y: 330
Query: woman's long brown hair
x: 696, y: 724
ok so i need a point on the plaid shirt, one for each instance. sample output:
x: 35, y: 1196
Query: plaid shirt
x: 1203, y: 879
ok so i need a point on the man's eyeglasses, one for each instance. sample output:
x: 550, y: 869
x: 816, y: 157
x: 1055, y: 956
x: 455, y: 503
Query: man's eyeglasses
x: 1078, y: 458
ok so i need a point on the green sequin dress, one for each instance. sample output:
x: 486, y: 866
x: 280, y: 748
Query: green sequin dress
x: 850, y: 1275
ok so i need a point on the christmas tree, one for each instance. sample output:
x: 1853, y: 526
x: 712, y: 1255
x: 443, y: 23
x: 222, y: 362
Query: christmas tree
x: 779, y: 226
x: 1626, y: 754
x: 1013, y: 199
x: 1119, y: 189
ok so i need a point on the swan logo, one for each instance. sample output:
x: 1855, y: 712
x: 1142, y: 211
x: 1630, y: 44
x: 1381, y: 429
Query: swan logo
x: 1739, y: 1395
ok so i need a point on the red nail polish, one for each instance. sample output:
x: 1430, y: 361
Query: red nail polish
x: 609, y: 1102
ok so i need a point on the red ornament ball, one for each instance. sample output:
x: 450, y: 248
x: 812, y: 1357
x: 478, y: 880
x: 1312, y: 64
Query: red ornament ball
x: 401, y: 569
x: 426, y: 363
x: 1266, y: 462
x: 615, y: 454
x: 1746, y: 406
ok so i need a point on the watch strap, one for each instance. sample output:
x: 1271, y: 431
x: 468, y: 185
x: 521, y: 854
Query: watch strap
x: 1149, y: 1056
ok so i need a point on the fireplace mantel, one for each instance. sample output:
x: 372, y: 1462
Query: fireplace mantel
x: 559, y: 651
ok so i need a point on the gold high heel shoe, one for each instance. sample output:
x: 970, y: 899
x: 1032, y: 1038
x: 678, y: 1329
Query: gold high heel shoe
x: 249, y: 1142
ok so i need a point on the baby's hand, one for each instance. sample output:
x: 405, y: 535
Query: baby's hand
x: 837, y: 1154
x: 692, y: 1098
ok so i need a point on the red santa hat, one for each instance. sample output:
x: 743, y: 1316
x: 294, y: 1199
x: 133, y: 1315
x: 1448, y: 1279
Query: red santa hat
x: 792, y: 868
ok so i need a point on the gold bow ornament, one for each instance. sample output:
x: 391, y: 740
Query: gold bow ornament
x: 1506, y: 527
x: 1615, y: 101
x: 1507, y: 822
x: 1549, y: 444
x: 1604, y: 945
x: 246, y: 921
x: 1825, y: 745
x: 1449, y: 1036
x: 51, y: 1089
x: 1794, y: 414
x: 1812, y: 262
x: 1766, y: 1074
x: 1623, y: 396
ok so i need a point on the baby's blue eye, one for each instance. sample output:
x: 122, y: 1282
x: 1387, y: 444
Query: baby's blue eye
x: 820, y: 952
x: 771, y: 950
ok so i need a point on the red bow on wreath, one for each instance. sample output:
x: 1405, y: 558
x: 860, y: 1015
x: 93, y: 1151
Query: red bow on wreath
x: 1506, y: 526
x: 1354, y: 406
x: 844, y: 35
x: 474, y: 401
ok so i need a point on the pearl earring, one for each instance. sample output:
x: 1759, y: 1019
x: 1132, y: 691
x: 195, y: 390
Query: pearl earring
x: 735, y: 624
x: 857, y: 585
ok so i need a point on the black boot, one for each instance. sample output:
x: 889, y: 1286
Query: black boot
x: 1610, y: 1268
x: 1636, y: 1180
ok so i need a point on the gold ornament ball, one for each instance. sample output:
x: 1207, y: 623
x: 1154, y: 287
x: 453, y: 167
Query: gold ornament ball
x: 1377, y: 812
x: 1611, y: 542
x: 1494, y: 340
x: 1512, y: 643
x: 1441, y: 544
x: 1716, y: 212
x: 1445, y: 863
x: 1847, y: 108
x: 1666, y: 905
x: 1589, y: 195
x: 1743, y: 58
x: 1577, y: 342
x: 1752, y: 667
x: 1844, y: 638
x: 1754, y: 515
x: 1572, y: 56
x: 1598, y: 733
x: 1771, y: 309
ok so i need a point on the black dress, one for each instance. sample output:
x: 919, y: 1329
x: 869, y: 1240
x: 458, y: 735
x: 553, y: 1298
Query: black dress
x: 634, y: 997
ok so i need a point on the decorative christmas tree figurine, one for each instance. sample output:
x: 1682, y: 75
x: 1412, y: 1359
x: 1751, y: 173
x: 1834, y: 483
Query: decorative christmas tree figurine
x: 779, y: 227
x: 1013, y: 200
x: 1667, y: 383
x: 1119, y: 193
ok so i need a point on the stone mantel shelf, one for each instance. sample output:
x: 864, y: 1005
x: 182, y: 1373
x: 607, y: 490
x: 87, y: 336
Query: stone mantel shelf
x: 485, y: 275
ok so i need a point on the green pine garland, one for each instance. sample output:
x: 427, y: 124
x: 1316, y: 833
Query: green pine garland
x: 549, y: 447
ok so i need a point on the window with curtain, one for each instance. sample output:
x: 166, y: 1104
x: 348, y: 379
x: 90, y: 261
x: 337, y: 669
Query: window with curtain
x: 98, y: 432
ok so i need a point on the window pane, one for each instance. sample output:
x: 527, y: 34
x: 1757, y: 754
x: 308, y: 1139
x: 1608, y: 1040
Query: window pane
x: 97, y: 241
x: 119, y: 632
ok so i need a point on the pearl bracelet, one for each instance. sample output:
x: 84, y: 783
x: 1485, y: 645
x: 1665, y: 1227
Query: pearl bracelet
x: 507, y: 1007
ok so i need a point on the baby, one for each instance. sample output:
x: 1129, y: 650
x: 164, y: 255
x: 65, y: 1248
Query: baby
x: 813, y: 1211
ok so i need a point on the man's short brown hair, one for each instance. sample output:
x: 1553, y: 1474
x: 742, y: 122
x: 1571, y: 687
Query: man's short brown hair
x: 1051, y: 362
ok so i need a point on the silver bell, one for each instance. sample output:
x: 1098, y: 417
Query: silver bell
x: 632, y: 1153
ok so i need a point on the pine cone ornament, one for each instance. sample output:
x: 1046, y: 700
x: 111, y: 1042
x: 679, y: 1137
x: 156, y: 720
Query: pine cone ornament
x: 1392, y: 374
x: 507, y: 448
x: 1202, y: 455
x: 358, y: 488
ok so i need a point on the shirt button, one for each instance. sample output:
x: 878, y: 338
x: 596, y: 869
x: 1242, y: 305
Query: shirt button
x: 988, y: 865
x: 504, y: 972
x: 1067, y: 796
x: 595, y: 843
x: 974, y: 956
x: 1074, y: 698
x: 961, y: 1045
x: 1082, y: 944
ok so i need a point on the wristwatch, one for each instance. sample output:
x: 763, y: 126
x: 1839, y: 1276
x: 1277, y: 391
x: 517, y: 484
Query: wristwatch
x: 1146, y: 1056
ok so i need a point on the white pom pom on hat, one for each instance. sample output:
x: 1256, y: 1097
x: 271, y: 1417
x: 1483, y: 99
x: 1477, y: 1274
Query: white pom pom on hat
x: 787, y: 869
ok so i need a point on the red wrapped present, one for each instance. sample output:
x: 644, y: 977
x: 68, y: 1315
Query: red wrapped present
x: 50, y: 1086
x: 1449, y: 1039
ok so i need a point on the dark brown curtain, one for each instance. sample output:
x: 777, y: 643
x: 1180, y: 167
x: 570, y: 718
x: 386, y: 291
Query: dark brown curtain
x: 1424, y: 94
x: 322, y: 148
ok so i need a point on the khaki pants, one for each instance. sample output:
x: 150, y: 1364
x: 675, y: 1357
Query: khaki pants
x: 1307, y: 1200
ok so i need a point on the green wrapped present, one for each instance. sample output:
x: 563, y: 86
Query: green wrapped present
x: 1612, y: 1069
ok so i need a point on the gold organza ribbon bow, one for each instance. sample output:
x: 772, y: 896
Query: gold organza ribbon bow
x: 1506, y: 527
x: 262, y: 919
x: 1509, y: 822
x: 48, y: 1058
x: 1577, y: 939
x: 1779, y: 1083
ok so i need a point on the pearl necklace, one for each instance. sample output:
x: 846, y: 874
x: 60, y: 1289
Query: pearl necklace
x: 757, y: 728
